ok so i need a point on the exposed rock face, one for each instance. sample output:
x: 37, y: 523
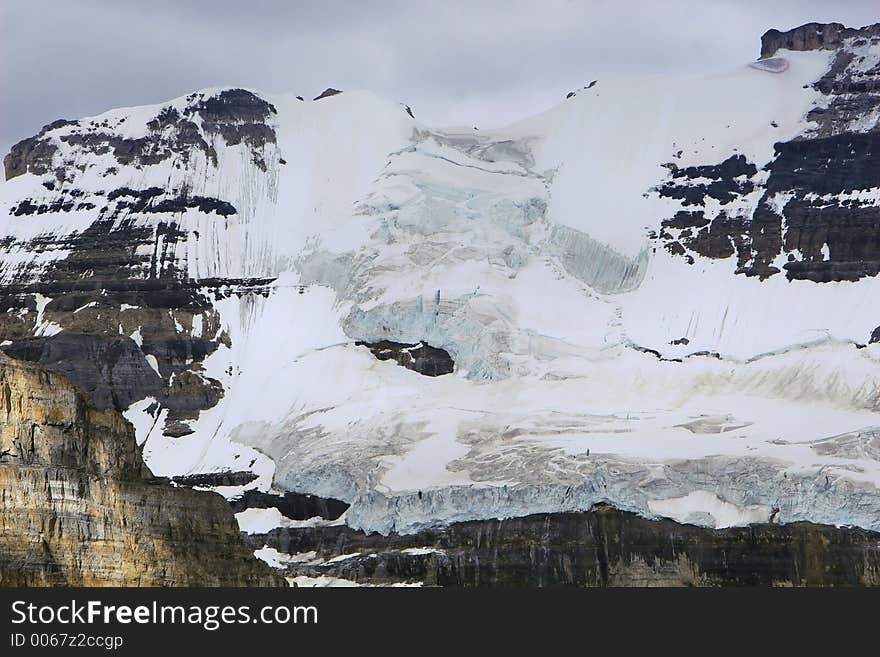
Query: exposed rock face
x: 207, y: 479
x: 120, y: 313
x: 816, y: 206
x: 813, y: 36
x: 602, y: 547
x: 80, y: 508
x: 235, y: 114
x: 112, y: 371
x: 294, y: 506
x: 329, y: 91
x: 421, y: 357
x: 33, y: 154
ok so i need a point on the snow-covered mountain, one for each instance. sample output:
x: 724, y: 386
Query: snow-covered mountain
x: 660, y: 294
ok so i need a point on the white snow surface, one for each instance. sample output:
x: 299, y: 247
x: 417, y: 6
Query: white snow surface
x: 325, y: 581
x: 261, y: 521
x: 702, y: 507
x: 524, y: 253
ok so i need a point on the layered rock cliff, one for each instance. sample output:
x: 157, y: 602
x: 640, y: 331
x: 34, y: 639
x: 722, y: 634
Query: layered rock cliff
x: 601, y: 547
x: 78, y: 507
x: 814, y: 36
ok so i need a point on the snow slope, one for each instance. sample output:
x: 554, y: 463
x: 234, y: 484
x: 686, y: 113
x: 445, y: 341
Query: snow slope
x: 590, y: 363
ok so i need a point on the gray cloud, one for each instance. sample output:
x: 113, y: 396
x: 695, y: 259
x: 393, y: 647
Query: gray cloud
x: 483, y: 63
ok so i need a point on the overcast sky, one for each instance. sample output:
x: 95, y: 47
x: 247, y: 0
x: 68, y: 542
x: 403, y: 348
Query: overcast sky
x: 482, y: 63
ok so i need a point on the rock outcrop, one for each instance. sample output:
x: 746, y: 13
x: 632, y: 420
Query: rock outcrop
x: 601, y: 547
x: 294, y: 506
x: 78, y: 507
x: 813, y: 36
x: 815, y: 217
x: 421, y: 357
x: 123, y: 320
x: 329, y: 91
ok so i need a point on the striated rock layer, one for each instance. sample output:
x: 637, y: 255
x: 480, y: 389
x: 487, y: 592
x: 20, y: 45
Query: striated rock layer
x: 78, y: 506
x: 601, y: 547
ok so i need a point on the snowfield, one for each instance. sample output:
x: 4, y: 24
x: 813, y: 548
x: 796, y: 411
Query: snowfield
x: 590, y: 365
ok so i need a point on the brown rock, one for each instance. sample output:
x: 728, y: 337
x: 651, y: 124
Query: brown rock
x: 78, y: 506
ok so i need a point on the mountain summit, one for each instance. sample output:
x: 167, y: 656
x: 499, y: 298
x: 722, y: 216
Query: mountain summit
x: 656, y: 295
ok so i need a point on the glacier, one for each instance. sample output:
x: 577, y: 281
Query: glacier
x: 600, y: 356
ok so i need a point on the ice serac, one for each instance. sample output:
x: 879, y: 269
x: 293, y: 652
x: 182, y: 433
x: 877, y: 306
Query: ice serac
x: 80, y: 508
x: 659, y: 294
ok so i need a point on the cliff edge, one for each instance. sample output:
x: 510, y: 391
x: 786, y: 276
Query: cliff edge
x: 79, y: 507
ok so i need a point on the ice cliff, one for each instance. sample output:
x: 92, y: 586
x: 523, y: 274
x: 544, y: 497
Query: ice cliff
x: 659, y: 294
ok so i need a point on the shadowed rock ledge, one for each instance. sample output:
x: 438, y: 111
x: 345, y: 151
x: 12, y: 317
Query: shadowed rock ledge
x: 78, y: 507
x: 421, y: 357
x: 596, y: 548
